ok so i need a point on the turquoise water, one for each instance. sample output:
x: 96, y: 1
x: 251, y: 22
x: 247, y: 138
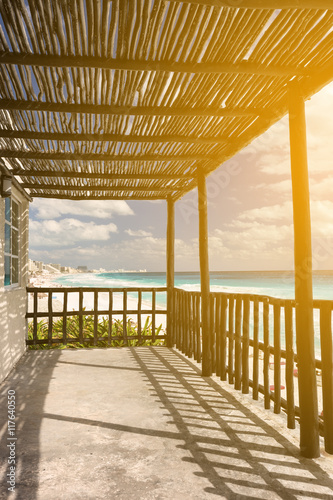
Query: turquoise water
x: 274, y: 283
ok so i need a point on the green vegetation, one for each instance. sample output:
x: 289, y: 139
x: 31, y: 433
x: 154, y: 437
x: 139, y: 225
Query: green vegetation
x: 72, y: 330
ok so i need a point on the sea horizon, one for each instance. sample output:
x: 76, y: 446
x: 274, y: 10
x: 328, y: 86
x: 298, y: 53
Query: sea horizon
x: 272, y: 283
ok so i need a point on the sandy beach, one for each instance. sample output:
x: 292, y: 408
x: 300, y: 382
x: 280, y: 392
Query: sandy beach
x: 48, y: 281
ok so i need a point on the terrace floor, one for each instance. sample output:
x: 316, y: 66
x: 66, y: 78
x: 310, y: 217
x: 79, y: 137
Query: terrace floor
x: 141, y: 423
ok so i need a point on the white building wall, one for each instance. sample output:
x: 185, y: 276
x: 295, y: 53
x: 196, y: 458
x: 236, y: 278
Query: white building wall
x: 13, y: 300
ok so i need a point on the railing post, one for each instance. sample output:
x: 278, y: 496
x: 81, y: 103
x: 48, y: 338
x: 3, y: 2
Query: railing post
x: 50, y: 329
x: 255, y: 393
x: 170, y: 277
x: 327, y: 373
x: 309, y: 426
x: 81, y: 316
x: 204, y: 275
x: 288, y: 315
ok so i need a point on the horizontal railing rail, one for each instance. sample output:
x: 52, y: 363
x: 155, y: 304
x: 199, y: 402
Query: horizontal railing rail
x: 253, y: 346
x: 108, y: 323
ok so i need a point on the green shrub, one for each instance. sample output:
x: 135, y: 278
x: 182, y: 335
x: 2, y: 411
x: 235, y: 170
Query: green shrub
x: 72, y: 333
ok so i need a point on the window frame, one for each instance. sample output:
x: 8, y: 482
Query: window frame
x: 13, y: 229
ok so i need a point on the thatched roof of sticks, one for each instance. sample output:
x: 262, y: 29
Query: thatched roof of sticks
x: 125, y: 99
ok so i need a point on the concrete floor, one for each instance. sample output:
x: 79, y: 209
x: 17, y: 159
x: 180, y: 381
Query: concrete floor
x: 140, y: 423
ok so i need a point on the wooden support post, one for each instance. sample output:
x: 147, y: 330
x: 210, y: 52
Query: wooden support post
x: 309, y: 427
x: 170, y: 277
x: 204, y: 275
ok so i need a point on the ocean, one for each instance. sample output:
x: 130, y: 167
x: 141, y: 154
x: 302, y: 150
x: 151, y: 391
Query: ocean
x: 273, y: 283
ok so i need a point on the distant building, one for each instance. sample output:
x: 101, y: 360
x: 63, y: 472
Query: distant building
x: 82, y: 269
x: 69, y: 270
x: 51, y: 269
x: 56, y: 266
x: 35, y: 266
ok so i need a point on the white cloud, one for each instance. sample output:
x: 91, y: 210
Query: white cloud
x: 321, y: 189
x: 270, y: 153
x: 101, y: 209
x: 138, y: 232
x: 282, y: 188
x: 234, y: 200
x: 135, y: 253
x: 68, y: 232
x: 252, y: 245
x: 279, y: 212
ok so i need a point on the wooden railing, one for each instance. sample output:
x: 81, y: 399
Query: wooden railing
x: 186, y: 327
x: 253, y: 347
x: 252, y: 337
x: 112, y: 318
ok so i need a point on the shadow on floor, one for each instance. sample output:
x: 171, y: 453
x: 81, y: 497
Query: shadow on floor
x: 34, y: 373
x: 142, y: 424
x: 239, y: 453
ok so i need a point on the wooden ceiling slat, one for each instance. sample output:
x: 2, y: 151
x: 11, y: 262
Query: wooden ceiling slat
x: 264, y: 4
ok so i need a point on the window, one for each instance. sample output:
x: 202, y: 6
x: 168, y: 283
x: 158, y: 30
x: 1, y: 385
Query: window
x: 11, y: 242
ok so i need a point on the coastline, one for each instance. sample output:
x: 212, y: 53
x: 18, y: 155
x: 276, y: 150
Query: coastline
x: 47, y: 281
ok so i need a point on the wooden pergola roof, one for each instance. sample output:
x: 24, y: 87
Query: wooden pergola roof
x: 126, y: 99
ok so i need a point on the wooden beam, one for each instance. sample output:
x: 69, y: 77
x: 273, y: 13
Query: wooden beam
x: 48, y: 60
x: 40, y: 155
x: 204, y: 275
x: 318, y: 80
x: 52, y: 136
x: 264, y: 4
x: 109, y: 176
x: 97, y: 197
x: 309, y: 427
x: 167, y: 189
x: 105, y: 109
x: 170, y: 275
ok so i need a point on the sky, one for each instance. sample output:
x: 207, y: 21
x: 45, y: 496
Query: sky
x: 249, y: 213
